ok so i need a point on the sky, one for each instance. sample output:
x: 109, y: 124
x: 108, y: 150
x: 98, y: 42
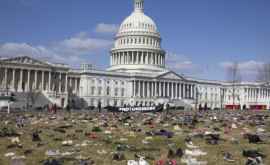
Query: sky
x: 202, y: 38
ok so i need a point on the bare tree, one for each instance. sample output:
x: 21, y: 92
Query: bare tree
x: 264, y: 73
x: 234, y: 77
x: 31, y: 98
x: 1, y: 74
x: 222, y: 98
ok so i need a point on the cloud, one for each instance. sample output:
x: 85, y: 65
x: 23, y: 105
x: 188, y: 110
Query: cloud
x: 22, y: 49
x: 244, y: 66
x: 70, y: 51
x: 179, y: 62
x: 81, y: 44
x: 248, y: 69
x: 107, y: 28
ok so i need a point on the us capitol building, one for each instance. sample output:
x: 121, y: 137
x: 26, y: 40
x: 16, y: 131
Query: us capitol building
x: 137, y: 76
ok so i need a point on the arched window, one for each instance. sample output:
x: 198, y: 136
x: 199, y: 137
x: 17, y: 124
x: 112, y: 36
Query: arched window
x: 123, y: 92
x: 116, y: 92
x: 92, y: 90
x: 108, y: 91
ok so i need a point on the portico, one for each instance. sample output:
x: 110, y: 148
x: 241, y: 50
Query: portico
x: 24, y: 74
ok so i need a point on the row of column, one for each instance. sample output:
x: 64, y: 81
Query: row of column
x: 24, y: 80
x: 257, y: 93
x: 137, y: 57
x: 173, y: 90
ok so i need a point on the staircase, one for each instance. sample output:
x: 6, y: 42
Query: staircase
x: 21, y: 100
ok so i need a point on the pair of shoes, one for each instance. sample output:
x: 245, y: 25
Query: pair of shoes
x: 228, y: 157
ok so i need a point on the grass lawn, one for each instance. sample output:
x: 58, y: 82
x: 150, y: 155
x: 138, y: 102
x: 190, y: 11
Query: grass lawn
x: 116, y: 134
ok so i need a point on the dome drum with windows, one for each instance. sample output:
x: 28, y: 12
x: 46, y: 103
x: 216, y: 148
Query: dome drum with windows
x: 137, y: 46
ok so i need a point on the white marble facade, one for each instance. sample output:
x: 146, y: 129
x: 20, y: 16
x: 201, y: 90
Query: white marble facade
x: 25, y: 74
x: 137, y: 75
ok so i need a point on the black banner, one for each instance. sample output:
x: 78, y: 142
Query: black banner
x: 135, y: 109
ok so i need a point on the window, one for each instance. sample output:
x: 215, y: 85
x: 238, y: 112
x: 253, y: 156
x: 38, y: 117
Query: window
x: 99, y: 90
x: 116, y: 83
x: 108, y: 91
x: 116, y: 92
x: 122, y: 92
x: 92, y: 90
x: 108, y: 82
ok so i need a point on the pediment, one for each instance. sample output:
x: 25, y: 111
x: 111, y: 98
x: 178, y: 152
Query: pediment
x: 26, y: 60
x: 170, y: 75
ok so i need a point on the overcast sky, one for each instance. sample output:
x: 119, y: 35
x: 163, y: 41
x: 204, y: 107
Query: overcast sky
x: 202, y: 37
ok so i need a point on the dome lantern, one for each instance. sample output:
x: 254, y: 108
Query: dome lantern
x: 138, y: 5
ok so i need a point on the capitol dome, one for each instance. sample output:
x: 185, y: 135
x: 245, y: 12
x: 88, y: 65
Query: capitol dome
x: 139, y: 22
x: 137, y: 46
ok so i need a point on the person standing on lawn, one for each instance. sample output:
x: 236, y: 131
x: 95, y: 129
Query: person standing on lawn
x: 99, y: 106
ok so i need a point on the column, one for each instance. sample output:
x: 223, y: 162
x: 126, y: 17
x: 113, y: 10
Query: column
x: 28, y: 80
x: 143, y: 89
x: 172, y: 90
x: 141, y: 59
x: 76, y: 85
x: 163, y: 88
x: 194, y: 92
x: 21, y: 80
x: 123, y: 57
x: 177, y: 91
x: 132, y: 57
x: 13, y: 79
x: 42, y: 80
x: 153, y: 89
x: 133, y: 88
x: 36, y: 81
x: 113, y: 59
x: 159, y: 59
x: 6, y: 79
x: 154, y: 58
x: 60, y: 82
x: 66, y: 83
x: 184, y: 91
x: 158, y: 89
x: 169, y: 89
x: 139, y: 88
x: 137, y: 57
x: 191, y: 91
x: 50, y: 80
x: 147, y: 89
